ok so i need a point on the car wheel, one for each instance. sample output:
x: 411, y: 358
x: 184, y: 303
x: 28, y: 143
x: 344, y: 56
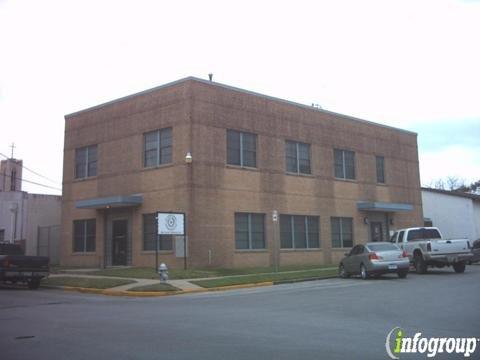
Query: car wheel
x: 459, y: 267
x: 402, y: 274
x: 342, y: 273
x: 34, y: 284
x: 420, y: 265
x: 363, y: 272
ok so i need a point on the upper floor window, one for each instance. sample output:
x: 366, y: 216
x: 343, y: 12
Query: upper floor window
x: 299, y: 232
x: 344, y: 164
x: 241, y: 148
x: 298, y: 157
x: 84, y: 235
x: 86, y: 162
x: 13, y: 180
x: 380, y: 162
x: 157, y: 147
x: 249, y: 231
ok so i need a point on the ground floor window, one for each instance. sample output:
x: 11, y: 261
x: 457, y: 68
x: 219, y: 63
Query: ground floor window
x: 299, y: 232
x: 165, y: 242
x: 84, y: 235
x: 249, y: 231
x: 342, y: 232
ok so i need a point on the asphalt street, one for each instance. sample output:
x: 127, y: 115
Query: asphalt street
x: 327, y: 319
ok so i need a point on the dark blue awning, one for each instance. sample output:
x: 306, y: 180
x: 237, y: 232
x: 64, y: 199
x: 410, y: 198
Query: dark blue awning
x: 110, y: 202
x: 383, y: 206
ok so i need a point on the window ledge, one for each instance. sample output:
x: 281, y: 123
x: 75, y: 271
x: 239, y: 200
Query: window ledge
x: 85, y: 179
x: 342, y: 249
x: 299, y: 174
x: 86, y: 253
x: 240, y: 167
x: 153, y: 252
x: 301, y: 250
x: 346, y: 180
x: 249, y: 251
x: 156, y: 167
x: 381, y: 184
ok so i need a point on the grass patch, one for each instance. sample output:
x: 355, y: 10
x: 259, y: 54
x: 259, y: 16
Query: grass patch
x: 155, y: 287
x: 267, y: 270
x: 90, y: 283
x: 150, y: 273
x: 58, y: 269
x: 259, y: 278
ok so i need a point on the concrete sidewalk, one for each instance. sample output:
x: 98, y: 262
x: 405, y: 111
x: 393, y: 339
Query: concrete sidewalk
x: 184, y: 285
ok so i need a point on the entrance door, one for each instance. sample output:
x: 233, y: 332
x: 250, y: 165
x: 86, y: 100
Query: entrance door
x: 376, y: 232
x: 119, y: 242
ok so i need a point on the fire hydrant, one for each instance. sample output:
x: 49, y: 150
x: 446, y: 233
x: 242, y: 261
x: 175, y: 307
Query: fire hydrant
x: 163, y: 272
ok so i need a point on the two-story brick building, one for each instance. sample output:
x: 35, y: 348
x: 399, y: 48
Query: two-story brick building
x: 334, y: 180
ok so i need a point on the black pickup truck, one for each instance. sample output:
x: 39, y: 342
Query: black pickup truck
x: 16, y: 267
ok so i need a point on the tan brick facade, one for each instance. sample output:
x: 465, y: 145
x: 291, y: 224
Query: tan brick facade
x: 210, y: 192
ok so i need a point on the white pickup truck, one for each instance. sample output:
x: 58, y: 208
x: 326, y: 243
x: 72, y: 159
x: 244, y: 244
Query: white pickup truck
x: 426, y: 247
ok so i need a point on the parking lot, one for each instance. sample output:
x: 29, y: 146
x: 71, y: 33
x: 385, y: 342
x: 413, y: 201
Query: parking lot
x: 327, y: 319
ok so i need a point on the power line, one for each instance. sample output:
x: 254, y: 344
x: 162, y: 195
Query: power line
x: 32, y: 182
x: 26, y: 168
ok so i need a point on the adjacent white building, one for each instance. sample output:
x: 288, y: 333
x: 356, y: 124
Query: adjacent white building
x: 457, y: 215
x: 24, y: 217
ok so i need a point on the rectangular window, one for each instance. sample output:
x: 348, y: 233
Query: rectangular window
x: 13, y: 180
x: 299, y: 232
x: 84, y: 235
x: 249, y: 231
x: 86, y: 162
x: 342, y: 232
x: 344, y: 161
x: 2, y: 235
x: 297, y: 157
x: 165, y: 242
x: 380, y: 160
x: 241, y: 148
x: 157, y: 147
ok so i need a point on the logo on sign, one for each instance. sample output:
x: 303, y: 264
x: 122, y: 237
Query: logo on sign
x: 171, y: 222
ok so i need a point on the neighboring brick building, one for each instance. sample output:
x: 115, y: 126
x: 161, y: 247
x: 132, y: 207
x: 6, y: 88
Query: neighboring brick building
x: 334, y: 180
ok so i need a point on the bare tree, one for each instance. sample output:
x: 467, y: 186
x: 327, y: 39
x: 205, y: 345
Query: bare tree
x: 453, y: 183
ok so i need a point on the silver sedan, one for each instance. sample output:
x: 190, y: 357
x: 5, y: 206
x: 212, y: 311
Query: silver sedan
x: 375, y: 258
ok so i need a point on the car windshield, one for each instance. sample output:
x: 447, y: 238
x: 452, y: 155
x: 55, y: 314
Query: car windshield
x: 382, y: 247
x: 420, y: 234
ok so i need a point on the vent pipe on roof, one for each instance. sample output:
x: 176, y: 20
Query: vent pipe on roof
x: 210, y: 77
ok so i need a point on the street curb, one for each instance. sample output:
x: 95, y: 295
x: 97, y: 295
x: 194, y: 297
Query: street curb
x: 155, y: 293
x: 127, y: 293
x: 281, y: 282
x: 241, y: 286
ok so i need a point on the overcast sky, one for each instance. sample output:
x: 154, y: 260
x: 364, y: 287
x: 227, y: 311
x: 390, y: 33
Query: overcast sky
x: 410, y: 64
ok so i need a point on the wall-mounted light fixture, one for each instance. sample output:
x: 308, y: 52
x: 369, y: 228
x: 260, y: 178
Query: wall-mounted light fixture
x: 188, y: 157
x: 365, y: 220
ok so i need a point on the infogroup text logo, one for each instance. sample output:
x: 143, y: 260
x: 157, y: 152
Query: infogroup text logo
x: 397, y: 343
